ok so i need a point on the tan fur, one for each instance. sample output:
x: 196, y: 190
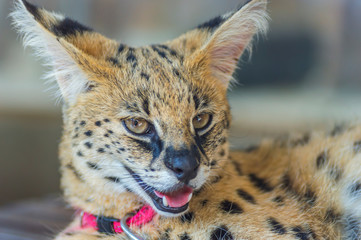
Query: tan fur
x: 301, y: 188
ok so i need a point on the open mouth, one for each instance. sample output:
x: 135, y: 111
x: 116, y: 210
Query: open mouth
x: 172, y: 202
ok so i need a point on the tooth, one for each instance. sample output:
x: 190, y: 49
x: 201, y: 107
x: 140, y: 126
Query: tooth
x: 190, y: 197
x: 165, y: 202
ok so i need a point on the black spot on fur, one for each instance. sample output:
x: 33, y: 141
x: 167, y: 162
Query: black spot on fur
x: 101, y: 150
x: 131, y: 57
x: 331, y: 216
x: 184, y: 236
x: 335, y: 173
x: 32, y: 9
x: 114, y: 61
x: 171, y: 51
x: 107, y: 145
x: 321, y: 160
x: 106, y: 135
x: 278, y: 199
x: 357, y: 147
x: 221, y: 233
x: 132, y: 107
x: 213, y: 163
x: 300, y: 233
x: 260, y: 183
x: 310, y: 197
x: 204, y: 202
x: 196, y: 101
x: 276, y: 226
x: 302, y: 141
x: 146, y: 106
x: 176, y: 72
x: 69, y: 27
x: 355, y: 189
x: 93, y: 166
x: 88, y: 144
x: 161, y: 53
x: 75, y: 172
x: 165, y: 234
x: 106, y: 120
x: 287, y: 184
x: 98, y: 123
x: 145, y: 76
x: 312, y: 233
x: 187, y: 218
x: 246, y: 196
x: 230, y: 207
x: 80, y: 154
x: 223, y: 140
x: 110, y: 132
x: 121, y: 48
x: 113, y: 179
x: 82, y: 123
x: 212, y: 24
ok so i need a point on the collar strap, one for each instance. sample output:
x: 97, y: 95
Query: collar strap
x: 109, y: 225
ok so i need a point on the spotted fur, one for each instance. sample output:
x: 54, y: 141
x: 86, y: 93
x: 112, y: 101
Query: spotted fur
x: 304, y: 188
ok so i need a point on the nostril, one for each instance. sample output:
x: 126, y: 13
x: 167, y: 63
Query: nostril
x: 178, y: 170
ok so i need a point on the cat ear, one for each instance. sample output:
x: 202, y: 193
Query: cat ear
x: 72, y: 50
x: 224, y: 39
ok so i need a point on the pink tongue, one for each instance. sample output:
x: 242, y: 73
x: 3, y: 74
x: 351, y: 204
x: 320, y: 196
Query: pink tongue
x: 177, y: 198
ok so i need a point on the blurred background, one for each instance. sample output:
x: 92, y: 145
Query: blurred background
x: 305, y: 74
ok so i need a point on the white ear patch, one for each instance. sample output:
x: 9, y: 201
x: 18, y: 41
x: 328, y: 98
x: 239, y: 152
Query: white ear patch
x: 62, y: 67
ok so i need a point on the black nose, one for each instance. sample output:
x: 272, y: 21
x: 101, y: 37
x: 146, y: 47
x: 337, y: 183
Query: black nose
x: 183, y: 163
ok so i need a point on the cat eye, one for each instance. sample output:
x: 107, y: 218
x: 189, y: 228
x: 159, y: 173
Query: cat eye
x: 201, y: 121
x: 137, y: 125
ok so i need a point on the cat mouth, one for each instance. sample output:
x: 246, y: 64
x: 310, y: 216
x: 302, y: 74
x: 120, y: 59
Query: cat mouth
x: 173, y: 202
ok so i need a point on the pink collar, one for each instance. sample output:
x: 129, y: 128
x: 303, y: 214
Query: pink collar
x: 111, y: 226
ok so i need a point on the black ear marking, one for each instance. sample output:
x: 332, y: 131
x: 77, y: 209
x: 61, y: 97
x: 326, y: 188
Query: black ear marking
x: 69, y: 27
x: 34, y: 10
x: 276, y: 226
x: 212, y: 24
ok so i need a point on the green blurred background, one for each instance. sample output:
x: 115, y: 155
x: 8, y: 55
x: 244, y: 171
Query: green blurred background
x: 306, y: 74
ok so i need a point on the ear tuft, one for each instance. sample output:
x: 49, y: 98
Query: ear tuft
x: 225, y: 38
x: 34, y: 25
x: 234, y: 37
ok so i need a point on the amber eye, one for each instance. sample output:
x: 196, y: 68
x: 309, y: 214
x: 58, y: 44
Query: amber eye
x: 201, y: 121
x: 137, y: 125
